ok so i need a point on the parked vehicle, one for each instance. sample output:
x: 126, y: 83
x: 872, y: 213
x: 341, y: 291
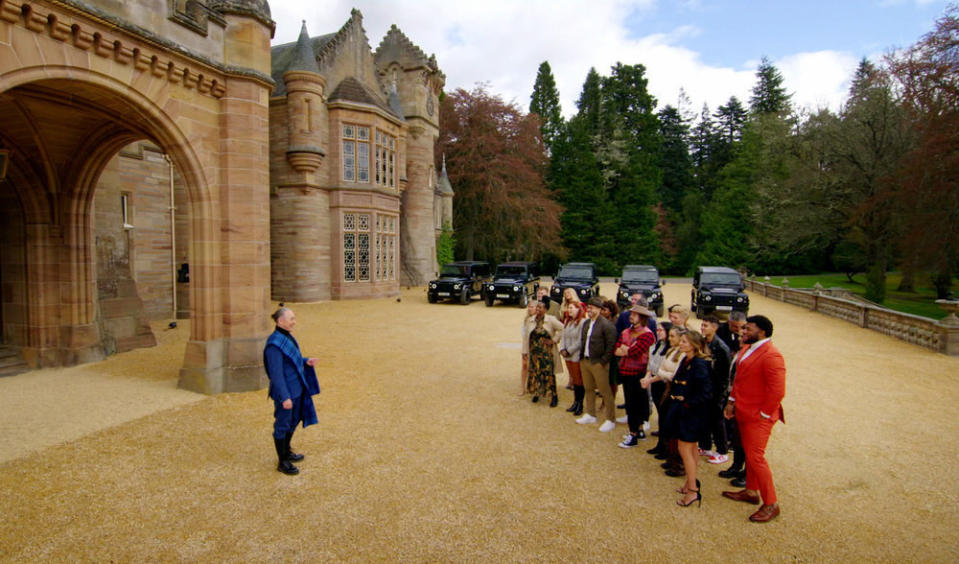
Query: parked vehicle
x: 513, y: 282
x: 644, y: 279
x: 459, y: 281
x: 581, y: 276
x: 718, y: 288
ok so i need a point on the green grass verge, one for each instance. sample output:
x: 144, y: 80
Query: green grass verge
x: 921, y: 302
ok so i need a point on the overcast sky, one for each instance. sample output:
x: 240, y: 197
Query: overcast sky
x: 708, y: 48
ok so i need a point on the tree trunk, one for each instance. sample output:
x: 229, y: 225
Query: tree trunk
x: 908, y: 282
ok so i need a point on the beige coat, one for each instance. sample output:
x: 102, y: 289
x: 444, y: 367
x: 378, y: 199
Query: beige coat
x: 554, y: 327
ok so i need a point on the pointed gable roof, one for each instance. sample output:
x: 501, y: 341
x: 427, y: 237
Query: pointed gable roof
x: 397, y: 47
x: 443, y: 186
x: 304, y: 59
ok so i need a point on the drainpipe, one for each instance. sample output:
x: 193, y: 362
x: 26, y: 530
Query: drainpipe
x: 172, y: 235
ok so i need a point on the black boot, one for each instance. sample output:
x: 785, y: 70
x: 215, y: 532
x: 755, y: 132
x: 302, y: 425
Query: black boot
x: 290, y: 455
x: 579, y: 392
x: 285, y: 466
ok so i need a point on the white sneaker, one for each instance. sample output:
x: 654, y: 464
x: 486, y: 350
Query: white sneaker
x: 646, y: 426
x: 717, y: 458
x: 586, y: 419
x: 622, y: 420
x: 607, y: 426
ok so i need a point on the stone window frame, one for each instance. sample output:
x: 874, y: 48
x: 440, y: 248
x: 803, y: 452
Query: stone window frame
x: 355, y: 141
x: 358, y: 236
x: 385, y: 161
x: 126, y: 209
x: 385, y: 247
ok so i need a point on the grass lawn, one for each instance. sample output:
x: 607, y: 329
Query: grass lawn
x: 921, y: 302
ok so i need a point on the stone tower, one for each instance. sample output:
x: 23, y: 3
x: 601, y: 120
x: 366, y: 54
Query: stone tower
x: 417, y: 82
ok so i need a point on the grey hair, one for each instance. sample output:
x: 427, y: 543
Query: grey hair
x: 737, y: 316
x: 280, y: 313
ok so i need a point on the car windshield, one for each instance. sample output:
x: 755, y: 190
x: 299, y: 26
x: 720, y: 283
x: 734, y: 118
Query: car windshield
x: 640, y: 276
x: 580, y: 272
x: 454, y: 270
x: 722, y: 278
x: 510, y: 270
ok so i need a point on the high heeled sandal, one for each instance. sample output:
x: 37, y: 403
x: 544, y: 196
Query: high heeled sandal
x: 698, y: 499
x: 683, y: 489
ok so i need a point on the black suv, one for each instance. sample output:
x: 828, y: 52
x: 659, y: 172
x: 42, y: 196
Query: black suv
x: 644, y: 279
x: 459, y: 281
x: 717, y: 288
x: 580, y: 276
x: 513, y: 282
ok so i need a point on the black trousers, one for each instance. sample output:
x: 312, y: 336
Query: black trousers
x: 716, y: 430
x: 637, y: 402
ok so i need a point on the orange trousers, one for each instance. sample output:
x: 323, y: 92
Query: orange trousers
x: 754, y: 431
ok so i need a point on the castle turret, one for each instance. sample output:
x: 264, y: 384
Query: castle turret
x: 304, y: 91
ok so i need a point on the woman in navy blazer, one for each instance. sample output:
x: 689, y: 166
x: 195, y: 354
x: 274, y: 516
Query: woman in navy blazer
x: 688, y: 415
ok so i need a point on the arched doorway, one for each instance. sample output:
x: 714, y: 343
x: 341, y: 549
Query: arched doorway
x: 60, y: 134
x: 76, y: 87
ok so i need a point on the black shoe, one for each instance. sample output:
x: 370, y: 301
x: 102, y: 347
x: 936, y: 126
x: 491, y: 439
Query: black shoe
x: 554, y: 401
x: 640, y: 434
x: 572, y: 407
x: 654, y: 450
x: 290, y: 455
x: 654, y: 433
x: 666, y: 465
x: 675, y: 472
x: 287, y: 468
x: 579, y: 409
x: 729, y: 473
x: 535, y: 399
x: 621, y: 406
x: 661, y: 456
x: 738, y: 482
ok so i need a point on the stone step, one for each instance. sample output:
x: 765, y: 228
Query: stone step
x: 10, y: 362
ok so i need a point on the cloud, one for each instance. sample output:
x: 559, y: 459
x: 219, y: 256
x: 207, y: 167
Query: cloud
x: 503, y: 42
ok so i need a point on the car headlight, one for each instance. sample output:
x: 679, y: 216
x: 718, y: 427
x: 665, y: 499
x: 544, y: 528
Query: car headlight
x: 708, y: 298
x: 457, y: 286
x: 432, y: 285
x: 491, y: 287
x: 739, y: 300
x: 516, y: 288
x: 583, y: 292
x: 624, y: 294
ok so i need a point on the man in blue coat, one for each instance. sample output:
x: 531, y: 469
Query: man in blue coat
x: 292, y: 386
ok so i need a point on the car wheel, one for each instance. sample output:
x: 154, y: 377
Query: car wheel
x: 465, y: 297
x: 489, y: 300
x: 431, y: 298
x: 523, y: 299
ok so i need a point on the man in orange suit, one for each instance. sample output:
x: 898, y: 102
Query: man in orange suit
x: 756, y: 403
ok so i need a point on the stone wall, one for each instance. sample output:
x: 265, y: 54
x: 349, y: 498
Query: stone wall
x: 940, y: 336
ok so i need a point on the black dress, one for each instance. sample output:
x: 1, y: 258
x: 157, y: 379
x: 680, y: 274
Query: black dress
x: 687, y: 420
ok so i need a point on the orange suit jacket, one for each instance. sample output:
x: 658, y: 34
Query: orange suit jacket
x: 760, y: 383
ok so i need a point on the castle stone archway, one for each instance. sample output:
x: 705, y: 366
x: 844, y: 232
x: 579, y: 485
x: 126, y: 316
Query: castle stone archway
x: 75, y: 89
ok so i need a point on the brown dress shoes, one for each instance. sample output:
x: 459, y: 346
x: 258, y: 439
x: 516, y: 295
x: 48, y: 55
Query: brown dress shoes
x: 743, y: 495
x: 766, y: 513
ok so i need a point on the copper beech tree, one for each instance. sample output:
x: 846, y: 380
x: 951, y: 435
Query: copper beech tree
x: 496, y: 160
x: 929, y: 174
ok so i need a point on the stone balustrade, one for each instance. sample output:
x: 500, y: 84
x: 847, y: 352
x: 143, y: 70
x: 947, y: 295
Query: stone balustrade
x: 939, y: 336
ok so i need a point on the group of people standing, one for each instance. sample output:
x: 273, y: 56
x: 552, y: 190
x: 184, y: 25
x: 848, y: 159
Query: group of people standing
x: 720, y: 386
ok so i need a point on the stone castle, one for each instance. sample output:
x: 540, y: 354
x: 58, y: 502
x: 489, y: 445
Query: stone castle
x: 160, y: 160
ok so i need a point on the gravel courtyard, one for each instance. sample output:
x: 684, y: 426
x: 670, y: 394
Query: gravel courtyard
x: 424, y: 453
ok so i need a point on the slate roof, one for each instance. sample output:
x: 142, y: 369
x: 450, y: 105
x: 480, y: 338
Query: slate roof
x: 353, y: 90
x: 283, y: 57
